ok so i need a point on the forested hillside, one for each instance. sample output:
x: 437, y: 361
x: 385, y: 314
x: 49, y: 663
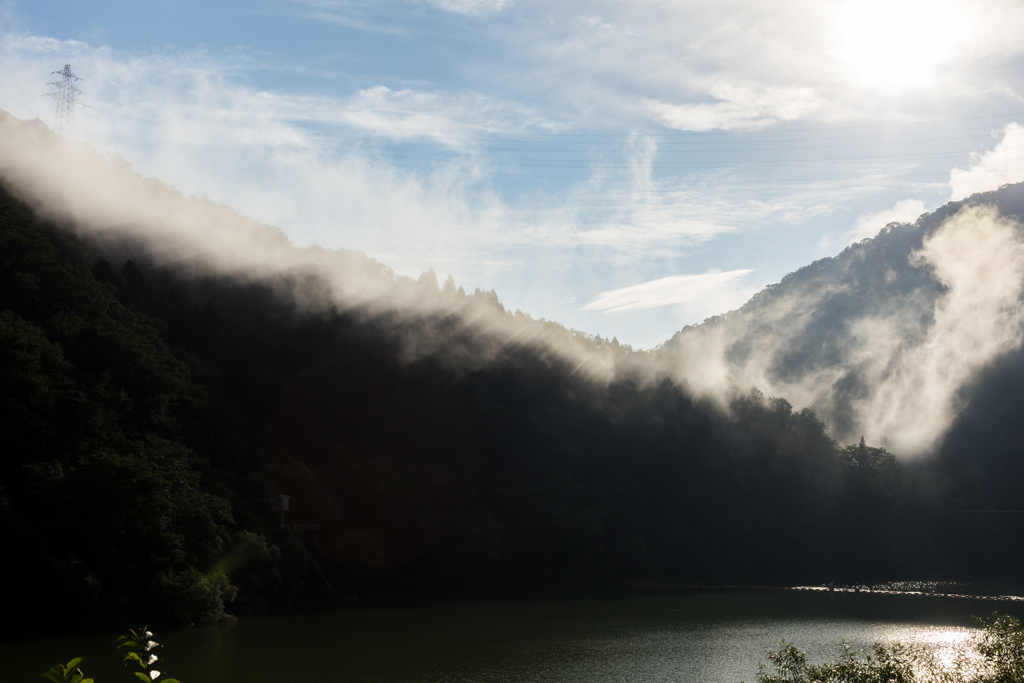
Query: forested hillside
x: 886, y: 338
x: 152, y: 420
x: 850, y: 334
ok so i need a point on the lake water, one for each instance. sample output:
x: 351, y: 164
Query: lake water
x: 700, y: 638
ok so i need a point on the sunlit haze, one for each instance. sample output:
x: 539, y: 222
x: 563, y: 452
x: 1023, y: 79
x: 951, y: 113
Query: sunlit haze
x: 507, y: 340
x: 902, y: 42
x: 568, y: 156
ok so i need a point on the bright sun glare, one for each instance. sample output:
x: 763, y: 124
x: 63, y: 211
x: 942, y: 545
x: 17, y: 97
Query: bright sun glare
x: 898, y: 42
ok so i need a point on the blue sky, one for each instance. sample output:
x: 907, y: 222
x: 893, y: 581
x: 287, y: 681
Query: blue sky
x: 623, y: 168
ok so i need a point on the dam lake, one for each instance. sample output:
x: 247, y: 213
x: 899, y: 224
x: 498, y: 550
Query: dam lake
x: 680, y: 638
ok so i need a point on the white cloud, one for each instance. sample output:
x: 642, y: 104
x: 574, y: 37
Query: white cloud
x: 903, y: 211
x: 677, y: 289
x: 1003, y: 164
x: 327, y: 169
x: 309, y: 164
x: 470, y: 6
x: 782, y: 61
x: 649, y: 227
x: 738, y: 108
x: 358, y: 14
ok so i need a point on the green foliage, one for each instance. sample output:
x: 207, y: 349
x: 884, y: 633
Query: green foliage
x: 107, y: 499
x: 67, y: 673
x: 140, y: 646
x: 998, y: 657
x: 893, y: 664
x: 256, y: 570
x: 1002, y: 646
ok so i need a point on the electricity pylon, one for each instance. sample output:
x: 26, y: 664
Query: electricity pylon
x: 67, y: 99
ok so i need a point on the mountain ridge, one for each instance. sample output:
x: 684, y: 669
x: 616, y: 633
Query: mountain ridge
x: 158, y: 399
x: 828, y: 334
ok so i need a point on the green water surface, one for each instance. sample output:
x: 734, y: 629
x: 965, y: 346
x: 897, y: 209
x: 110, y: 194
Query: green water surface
x: 700, y: 638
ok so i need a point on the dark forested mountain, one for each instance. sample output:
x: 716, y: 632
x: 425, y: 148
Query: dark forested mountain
x: 153, y: 416
x: 909, y: 318
x: 879, y: 329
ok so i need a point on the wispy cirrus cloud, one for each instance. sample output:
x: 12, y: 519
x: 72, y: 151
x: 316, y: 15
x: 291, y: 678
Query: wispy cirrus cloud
x: 677, y: 289
x: 738, y: 108
x: 376, y: 17
x: 469, y: 6
x: 309, y: 164
x: 312, y: 165
x: 349, y: 20
x: 483, y: 137
x: 402, y: 115
x: 705, y: 65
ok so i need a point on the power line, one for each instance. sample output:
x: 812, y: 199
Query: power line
x: 652, y: 181
x: 583, y: 163
x: 447, y: 152
x: 664, y: 147
x: 671, y: 133
x: 67, y: 99
x: 543, y: 154
x: 482, y: 132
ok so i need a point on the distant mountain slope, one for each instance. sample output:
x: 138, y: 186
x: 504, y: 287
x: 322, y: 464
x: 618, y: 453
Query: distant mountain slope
x: 885, y: 338
x: 150, y: 422
x: 169, y: 368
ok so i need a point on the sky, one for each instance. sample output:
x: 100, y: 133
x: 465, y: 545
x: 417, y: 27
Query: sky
x: 623, y: 168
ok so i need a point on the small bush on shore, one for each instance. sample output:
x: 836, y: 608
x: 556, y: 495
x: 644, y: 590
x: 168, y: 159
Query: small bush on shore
x: 996, y: 656
x: 139, y: 646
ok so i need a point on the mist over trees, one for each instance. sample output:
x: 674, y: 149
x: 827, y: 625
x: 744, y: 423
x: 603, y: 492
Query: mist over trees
x: 975, y: 468
x: 153, y: 416
x: 886, y: 338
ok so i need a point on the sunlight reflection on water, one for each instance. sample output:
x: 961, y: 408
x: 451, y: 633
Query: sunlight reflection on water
x: 707, y: 638
x: 722, y: 651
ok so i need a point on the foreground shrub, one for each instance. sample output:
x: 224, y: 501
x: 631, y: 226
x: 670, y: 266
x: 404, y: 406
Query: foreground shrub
x: 996, y: 656
x: 139, y: 645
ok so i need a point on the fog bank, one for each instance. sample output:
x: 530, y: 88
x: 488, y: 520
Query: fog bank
x: 880, y: 341
x: 108, y: 204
